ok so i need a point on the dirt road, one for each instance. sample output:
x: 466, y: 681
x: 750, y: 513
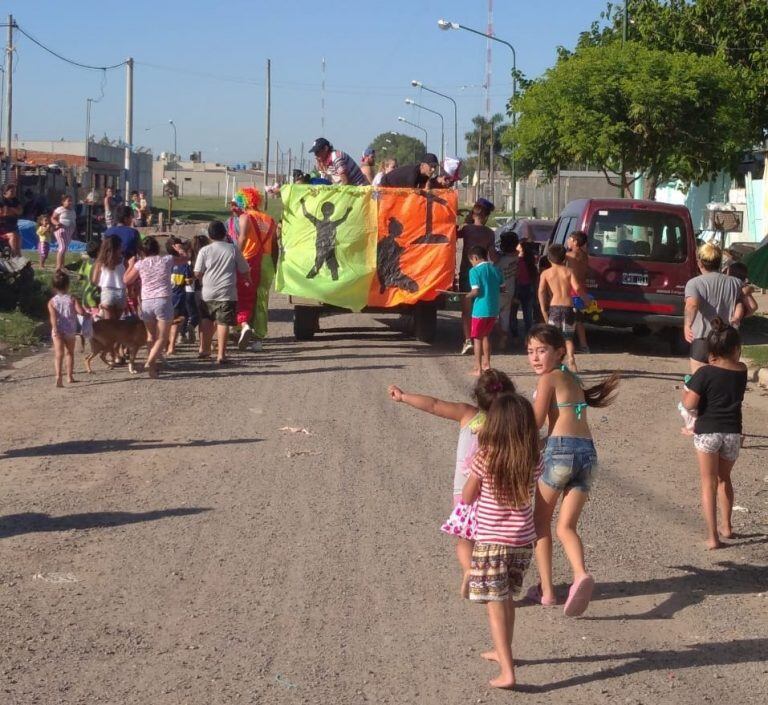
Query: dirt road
x: 167, y: 543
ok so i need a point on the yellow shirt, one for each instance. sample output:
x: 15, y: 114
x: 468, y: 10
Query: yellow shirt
x: 44, y: 234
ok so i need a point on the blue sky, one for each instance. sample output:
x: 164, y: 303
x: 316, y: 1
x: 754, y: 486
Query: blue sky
x: 214, y: 54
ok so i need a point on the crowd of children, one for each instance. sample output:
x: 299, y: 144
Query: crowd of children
x: 557, y: 283
x: 508, y: 481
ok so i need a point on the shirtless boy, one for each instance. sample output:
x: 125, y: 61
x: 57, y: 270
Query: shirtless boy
x: 576, y: 261
x: 555, y: 287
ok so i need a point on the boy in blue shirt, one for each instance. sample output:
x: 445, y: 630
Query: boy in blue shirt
x: 485, y: 287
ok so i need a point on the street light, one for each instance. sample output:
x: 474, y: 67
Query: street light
x: 419, y: 84
x: 418, y: 127
x: 408, y: 101
x: 446, y: 25
x: 175, y: 155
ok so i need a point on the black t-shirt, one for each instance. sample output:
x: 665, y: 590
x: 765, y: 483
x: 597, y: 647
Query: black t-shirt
x: 721, y: 393
x: 408, y: 176
x: 8, y: 223
x: 475, y: 235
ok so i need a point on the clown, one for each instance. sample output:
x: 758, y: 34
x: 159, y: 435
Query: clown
x: 256, y: 240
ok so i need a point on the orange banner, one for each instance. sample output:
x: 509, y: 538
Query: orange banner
x: 416, y: 246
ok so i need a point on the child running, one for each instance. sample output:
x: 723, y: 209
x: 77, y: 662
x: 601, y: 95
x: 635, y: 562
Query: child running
x: 570, y: 460
x: 485, y: 282
x: 63, y: 310
x: 44, y: 232
x: 462, y: 522
x: 502, y: 483
x: 555, y: 287
x: 716, y: 391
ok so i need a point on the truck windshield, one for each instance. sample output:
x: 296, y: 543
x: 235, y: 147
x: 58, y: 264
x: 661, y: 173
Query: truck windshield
x: 639, y: 234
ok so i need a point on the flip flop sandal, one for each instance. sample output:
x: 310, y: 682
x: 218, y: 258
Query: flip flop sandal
x: 579, y: 596
x: 534, y: 595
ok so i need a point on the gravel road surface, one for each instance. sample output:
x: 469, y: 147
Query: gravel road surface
x: 169, y: 542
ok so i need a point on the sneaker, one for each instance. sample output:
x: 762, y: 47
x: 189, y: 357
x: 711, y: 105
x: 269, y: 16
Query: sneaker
x: 256, y: 346
x: 245, y: 337
x: 467, y: 347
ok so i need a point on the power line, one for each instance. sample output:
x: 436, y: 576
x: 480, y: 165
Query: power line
x: 64, y: 58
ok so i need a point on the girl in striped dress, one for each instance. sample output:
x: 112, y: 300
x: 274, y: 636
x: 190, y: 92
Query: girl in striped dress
x: 502, y: 483
x: 470, y: 417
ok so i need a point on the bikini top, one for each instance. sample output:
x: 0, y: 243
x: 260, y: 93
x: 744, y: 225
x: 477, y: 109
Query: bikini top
x: 579, y: 407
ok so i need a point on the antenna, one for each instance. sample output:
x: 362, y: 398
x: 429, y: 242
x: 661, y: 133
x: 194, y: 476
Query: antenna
x: 322, y: 99
x: 488, y: 61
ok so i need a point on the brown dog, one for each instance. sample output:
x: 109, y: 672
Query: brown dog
x: 109, y: 335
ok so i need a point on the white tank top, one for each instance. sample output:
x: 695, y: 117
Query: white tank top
x: 112, y: 278
x: 465, y: 450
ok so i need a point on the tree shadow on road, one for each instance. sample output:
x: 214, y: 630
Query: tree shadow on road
x: 34, y: 522
x: 692, y: 656
x: 92, y: 446
x: 690, y: 589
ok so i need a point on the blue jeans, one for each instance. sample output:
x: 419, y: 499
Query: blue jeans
x: 569, y: 463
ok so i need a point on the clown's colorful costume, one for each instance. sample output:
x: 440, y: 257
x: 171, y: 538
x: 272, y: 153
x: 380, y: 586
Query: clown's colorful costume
x: 257, y: 249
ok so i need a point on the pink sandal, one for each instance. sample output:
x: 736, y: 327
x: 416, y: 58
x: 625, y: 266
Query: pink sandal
x: 579, y: 596
x: 534, y: 595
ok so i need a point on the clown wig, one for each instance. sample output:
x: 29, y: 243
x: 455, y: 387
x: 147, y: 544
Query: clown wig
x: 248, y: 199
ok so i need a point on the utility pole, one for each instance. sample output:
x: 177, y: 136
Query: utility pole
x: 267, y: 128
x: 87, y: 171
x: 290, y: 166
x: 9, y: 100
x: 128, y: 124
x: 490, y: 164
x: 278, y: 157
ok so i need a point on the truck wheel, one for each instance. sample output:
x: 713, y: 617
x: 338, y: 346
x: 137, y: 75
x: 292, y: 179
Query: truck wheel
x: 305, y: 320
x: 425, y: 322
x: 678, y: 345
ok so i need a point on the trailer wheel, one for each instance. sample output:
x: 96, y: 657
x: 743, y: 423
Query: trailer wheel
x: 305, y: 322
x: 425, y: 322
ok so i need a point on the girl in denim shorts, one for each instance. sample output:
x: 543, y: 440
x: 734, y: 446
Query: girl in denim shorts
x: 716, y: 392
x: 569, y: 462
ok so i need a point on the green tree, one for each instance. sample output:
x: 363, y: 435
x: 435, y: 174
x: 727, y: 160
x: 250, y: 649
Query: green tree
x: 734, y: 30
x: 668, y: 115
x: 406, y: 149
x: 482, y: 130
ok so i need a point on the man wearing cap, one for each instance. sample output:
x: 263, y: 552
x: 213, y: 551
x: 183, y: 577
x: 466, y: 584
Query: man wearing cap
x: 367, y: 163
x: 412, y: 175
x: 336, y: 165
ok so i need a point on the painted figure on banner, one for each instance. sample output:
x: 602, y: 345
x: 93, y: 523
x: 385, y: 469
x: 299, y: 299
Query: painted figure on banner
x: 430, y: 238
x: 388, y: 267
x: 325, y: 238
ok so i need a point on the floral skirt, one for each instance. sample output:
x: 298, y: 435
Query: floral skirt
x: 463, y: 520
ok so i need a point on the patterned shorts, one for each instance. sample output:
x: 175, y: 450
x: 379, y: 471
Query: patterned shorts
x: 726, y: 444
x: 563, y: 318
x: 497, y: 571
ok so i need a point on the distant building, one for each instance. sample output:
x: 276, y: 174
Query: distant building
x: 195, y: 177
x: 103, y: 169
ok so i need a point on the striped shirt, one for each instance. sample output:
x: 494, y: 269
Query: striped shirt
x: 341, y: 163
x: 498, y: 523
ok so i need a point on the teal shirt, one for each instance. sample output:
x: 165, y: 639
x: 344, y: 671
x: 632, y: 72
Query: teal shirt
x: 487, y: 279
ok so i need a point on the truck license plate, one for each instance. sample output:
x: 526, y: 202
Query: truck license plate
x: 634, y: 278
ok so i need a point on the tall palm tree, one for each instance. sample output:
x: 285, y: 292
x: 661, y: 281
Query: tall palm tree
x: 482, y: 131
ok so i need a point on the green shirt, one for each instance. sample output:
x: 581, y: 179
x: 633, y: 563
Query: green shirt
x: 91, y: 292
